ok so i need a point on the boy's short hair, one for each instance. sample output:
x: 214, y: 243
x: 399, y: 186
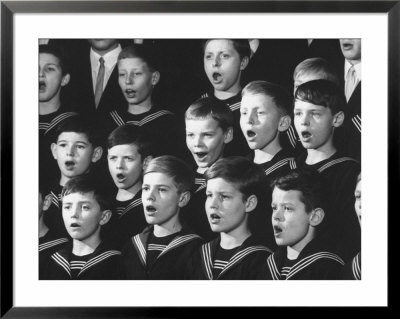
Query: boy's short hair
x: 209, y: 107
x: 59, y: 54
x: 174, y: 167
x: 144, y: 52
x: 317, y: 66
x: 79, y: 124
x: 248, y: 177
x: 85, y: 184
x: 322, y: 92
x: 307, y: 182
x: 242, y: 46
x: 129, y: 134
x: 281, y: 96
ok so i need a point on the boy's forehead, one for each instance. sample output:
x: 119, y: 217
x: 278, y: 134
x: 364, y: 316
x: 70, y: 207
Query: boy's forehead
x: 158, y: 178
x: 218, y: 44
x: 221, y: 184
x: 124, y: 148
x: 257, y: 100
x: 73, y: 137
x: 132, y: 62
x: 206, y: 123
x: 49, y: 58
x: 80, y: 197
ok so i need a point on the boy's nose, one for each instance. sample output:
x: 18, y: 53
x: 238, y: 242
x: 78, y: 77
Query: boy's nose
x: 71, y: 150
x: 129, y: 80
x: 119, y: 164
x: 305, y: 120
x: 75, y: 212
x: 216, y: 61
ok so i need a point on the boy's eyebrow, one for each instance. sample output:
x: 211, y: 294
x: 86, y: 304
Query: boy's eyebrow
x: 83, y: 142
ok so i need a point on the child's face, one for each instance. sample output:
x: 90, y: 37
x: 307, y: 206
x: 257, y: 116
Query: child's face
x: 314, y: 124
x: 82, y: 215
x: 125, y: 165
x: 74, y: 153
x: 357, y: 203
x: 205, y: 139
x: 351, y: 49
x: 51, y: 78
x: 136, y: 81
x: 225, y: 207
x: 161, y: 199
x: 259, y: 120
x: 290, y: 220
x: 223, y: 65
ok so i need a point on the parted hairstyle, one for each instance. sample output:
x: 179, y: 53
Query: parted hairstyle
x: 318, y: 66
x: 59, y: 54
x: 174, y: 167
x: 242, y: 46
x: 80, y: 124
x: 246, y: 176
x: 144, y: 52
x: 281, y: 96
x: 322, y: 92
x: 307, y: 182
x: 210, y: 107
x: 129, y: 134
x: 85, y: 184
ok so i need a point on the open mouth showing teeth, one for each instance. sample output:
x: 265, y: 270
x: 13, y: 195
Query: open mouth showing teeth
x: 42, y: 85
x: 215, y: 217
x: 130, y: 93
x: 250, y: 134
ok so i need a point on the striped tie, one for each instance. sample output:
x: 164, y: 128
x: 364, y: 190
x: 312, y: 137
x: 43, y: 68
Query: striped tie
x: 99, y: 82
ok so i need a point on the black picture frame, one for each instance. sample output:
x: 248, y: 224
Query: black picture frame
x: 9, y: 8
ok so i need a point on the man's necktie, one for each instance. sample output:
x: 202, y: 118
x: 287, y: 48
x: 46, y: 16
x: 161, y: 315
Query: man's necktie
x: 99, y: 82
x: 350, y: 82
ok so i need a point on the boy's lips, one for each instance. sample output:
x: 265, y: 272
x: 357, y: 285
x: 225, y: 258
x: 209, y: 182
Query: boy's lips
x: 306, y: 136
x: 130, y: 93
x: 150, y: 210
x: 277, y: 230
x: 347, y: 45
x: 42, y: 86
x: 214, y: 218
x: 75, y: 225
x: 201, y: 156
x: 217, y: 77
x: 121, y: 178
x: 69, y: 165
x: 250, y: 135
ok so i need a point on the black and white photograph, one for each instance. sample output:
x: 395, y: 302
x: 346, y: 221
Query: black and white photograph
x: 199, y: 154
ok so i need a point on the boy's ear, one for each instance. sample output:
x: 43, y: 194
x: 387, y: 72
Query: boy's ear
x: 284, y: 123
x: 155, y: 77
x: 98, y: 151
x: 317, y: 216
x: 53, y: 147
x: 251, y: 203
x: 228, y: 135
x: 338, y: 119
x: 146, y: 162
x: 105, y: 217
x: 184, y: 199
x: 46, y: 202
x: 65, y: 79
x: 244, y: 63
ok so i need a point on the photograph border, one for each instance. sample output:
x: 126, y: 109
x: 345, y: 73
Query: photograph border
x: 9, y: 8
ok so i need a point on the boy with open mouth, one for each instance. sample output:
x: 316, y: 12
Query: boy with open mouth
x: 224, y: 62
x: 234, y: 185
x: 209, y: 128
x: 298, y: 221
x: 161, y: 250
x: 318, y: 112
x: 129, y: 151
x: 264, y: 118
x: 85, y: 210
x: 76, y: 149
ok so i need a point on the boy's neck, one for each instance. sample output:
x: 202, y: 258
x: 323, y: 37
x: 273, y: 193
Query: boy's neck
x: 201, y: 170
x: 292, y: 254
x: 87, y: 246
x: 50, y: 106
x: 224, y: 95
x: 234, y: 238
x: 172, y: 226
x: 43, y: 229
x: 140, y: 108
x: 315, y: 156
x: 267, y: 153
x: 127, y: 194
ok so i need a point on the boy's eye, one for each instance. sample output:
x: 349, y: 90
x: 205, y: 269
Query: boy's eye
x: 189, y: 134
x: 225, y: 55
x: 137, y: 73
x: 209, y: 195
x: 316, y: 113
x: 207, y: 56
x: 66, y: 207
x: 80, y: 146
x: 145, y: 188
x: 287, y: 208
x: 162, y: 190
x: 225, y: 196
x: 297, y: 113
x: 85, y: 207
x: 112, y: 158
